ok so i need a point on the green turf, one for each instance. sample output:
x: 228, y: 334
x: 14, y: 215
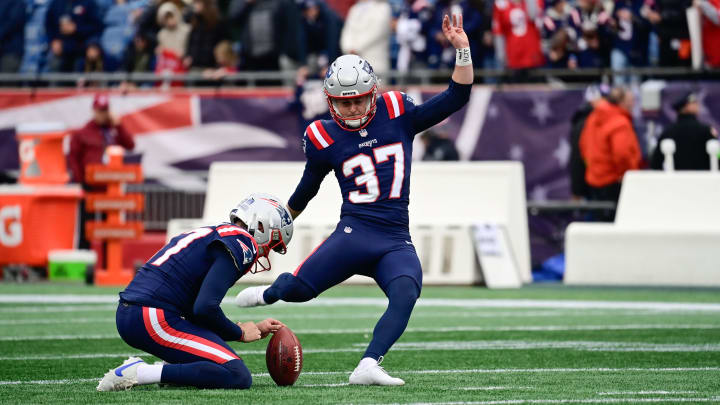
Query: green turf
x: 449, y: 354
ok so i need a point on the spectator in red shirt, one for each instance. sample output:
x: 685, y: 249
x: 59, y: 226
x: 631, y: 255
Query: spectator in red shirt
x: 710, y: 11
x: 517, y: 34
x: 87, y: 145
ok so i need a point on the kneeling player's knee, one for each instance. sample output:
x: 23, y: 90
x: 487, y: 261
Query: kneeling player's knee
x: 294, y: 289
x: 240, y: 377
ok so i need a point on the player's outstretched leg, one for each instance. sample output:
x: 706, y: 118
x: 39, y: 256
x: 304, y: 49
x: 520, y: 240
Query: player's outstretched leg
x: 201, y: 374
x: 286, y: 287
x: 402, y: 293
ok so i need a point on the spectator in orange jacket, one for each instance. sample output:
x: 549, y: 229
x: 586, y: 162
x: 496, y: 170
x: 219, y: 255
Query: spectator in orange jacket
x: 609, y: 146
x: 87, y: 145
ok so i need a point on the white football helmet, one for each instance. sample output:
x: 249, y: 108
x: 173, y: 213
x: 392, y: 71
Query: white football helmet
x: 268, y: 221
x: 351, y: 76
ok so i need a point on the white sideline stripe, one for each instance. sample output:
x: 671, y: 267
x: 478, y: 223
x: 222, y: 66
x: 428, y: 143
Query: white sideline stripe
x: 440, y: 346
x: 71, y: 356
x: 527, y: 328
x: 184, y: 342
x: 555, y: 328
x: 55, y: 321
x: 382, y: 302
x: 493, y: 388
x: 576, y: 345
x: 374, y: 315
x: 647, y: 392
x: 48, y: 382
x: 407, y: 372
x: 140, y: 354
x: 55, y: 308
x: 325, y: 385
x: 569, y: 401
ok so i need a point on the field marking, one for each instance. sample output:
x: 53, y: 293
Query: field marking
x: 447, y: 315
x: 441, y: 346
x: 568, y: 401
x: 55, y: 308
x: 55, y: 321
x: 528, y: 328
x: 422, y: 372
x: 422, y: 302
x: 49, y: 382
x: 647, y: 392
x: 493, y: 388
x: 324, y: 385
x: 583, y: 345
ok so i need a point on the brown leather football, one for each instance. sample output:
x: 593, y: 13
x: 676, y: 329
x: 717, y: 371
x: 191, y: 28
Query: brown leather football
x: 284, y: 357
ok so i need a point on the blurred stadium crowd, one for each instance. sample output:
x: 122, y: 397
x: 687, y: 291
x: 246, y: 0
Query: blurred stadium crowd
x: 218, y: 37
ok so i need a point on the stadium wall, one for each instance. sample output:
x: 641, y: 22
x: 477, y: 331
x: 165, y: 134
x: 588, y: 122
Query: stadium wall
x: 183, y: 131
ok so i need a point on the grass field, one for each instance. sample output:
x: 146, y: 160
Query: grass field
x: 538, y: 345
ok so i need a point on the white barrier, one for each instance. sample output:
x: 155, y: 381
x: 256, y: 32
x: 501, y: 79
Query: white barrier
x: 446, y: 199
x: 666, y: 232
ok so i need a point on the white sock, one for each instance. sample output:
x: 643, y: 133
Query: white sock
x: 367, y: 362
x: 149, y: 373
x: 261, y: 294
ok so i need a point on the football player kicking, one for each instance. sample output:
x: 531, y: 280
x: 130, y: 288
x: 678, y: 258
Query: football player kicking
x: 171, y: 309
x: 370, y: 151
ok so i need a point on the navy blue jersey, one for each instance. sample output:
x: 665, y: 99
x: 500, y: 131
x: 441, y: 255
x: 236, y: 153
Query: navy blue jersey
x: 172, y: 278
x: 373, y: 165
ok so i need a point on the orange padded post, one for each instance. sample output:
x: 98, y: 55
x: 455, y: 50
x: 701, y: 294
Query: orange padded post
x: 115, y: 203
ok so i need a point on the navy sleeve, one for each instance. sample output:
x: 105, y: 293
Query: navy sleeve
x: 222, y: 275
x: 315, y: 172
x: 439, y: 106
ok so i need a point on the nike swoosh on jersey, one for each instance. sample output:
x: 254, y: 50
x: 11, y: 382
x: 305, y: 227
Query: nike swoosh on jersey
x: 119, y: 370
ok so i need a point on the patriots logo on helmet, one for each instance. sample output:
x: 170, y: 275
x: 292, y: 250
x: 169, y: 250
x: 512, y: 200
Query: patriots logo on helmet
x: 284, y: 216
x: 366, y: 67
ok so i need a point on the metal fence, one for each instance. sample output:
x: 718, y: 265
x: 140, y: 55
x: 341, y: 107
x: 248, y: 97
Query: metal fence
x: 287, y: 78
x: 164, y: 203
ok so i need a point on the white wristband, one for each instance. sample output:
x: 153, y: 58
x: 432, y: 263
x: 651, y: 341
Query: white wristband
x: 462, y: 57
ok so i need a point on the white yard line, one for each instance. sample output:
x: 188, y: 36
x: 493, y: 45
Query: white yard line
x: 106, y: 319
x: 56, y: 308
x: 519, y: 314
x: 423, y: 302
x: 528, y: 328
x: 493, y: 388
x: 441, y: 346
x: 324, y: 385
x: 647, y: 392
x: 432, y: 372
x: 570, y: 401
x: 569, y: 344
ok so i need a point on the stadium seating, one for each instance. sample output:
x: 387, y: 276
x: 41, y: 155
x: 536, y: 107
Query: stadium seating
x: 447, y: 198
x: 666, y: 233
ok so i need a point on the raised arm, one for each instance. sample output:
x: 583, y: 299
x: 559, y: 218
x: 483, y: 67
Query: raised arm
x: 457, y: 95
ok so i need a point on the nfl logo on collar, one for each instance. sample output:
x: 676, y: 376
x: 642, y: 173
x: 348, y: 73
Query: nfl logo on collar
x: 363, y: 133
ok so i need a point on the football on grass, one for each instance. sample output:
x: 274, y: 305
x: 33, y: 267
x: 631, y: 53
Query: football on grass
x: 284, y: 357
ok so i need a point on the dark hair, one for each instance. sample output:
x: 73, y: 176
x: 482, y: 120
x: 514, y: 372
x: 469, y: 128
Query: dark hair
x: 210, y: 14
x: 617, y: 94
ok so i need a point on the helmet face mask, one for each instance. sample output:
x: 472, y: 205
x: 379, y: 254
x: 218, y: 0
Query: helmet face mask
x: 270, y: 224
x: 350, y: 77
